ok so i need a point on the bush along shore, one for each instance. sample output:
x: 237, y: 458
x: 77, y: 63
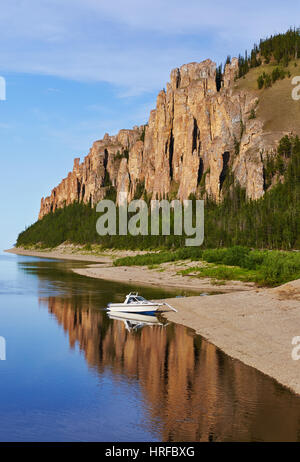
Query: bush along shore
x: 265, y: 267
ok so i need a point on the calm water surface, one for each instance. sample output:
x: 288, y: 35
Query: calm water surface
x: 73, y: 374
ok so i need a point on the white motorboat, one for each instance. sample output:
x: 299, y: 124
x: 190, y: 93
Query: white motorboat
x: 134, y: 303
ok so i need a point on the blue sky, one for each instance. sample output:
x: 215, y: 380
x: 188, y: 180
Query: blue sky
x: 76, y: 69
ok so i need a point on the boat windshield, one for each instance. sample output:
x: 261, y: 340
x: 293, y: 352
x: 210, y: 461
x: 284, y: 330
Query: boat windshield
x: 140, y: 299
x: 136, y: 299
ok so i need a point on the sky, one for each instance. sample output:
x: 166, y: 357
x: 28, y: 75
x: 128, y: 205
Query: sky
x: 76, y: 69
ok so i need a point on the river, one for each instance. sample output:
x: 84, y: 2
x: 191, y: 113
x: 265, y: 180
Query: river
x: 73, y: 374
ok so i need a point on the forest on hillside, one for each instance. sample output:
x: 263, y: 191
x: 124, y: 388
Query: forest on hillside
x: 272, y: 222
x: 279, y: 48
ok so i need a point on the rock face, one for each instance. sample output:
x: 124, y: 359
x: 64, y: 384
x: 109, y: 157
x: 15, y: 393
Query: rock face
x: 101, y: 168
x: 194, y: 138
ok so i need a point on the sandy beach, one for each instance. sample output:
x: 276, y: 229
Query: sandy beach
x: 164, y: 276
x: 255, y: 326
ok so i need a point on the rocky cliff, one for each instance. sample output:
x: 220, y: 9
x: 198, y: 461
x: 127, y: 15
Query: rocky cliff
x: 195, y: 137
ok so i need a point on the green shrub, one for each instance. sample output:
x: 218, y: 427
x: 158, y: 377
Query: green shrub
x: 268, y: 268
x: 278, y: 268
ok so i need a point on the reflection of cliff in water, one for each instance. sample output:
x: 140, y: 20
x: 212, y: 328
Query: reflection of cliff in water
x: 192, y: 388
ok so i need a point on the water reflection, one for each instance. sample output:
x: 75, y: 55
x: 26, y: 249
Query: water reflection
x: 135, y: 321
x: 193, y: 391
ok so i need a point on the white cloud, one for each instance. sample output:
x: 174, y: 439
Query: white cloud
x: 196, y: 16
x: 131, y: 44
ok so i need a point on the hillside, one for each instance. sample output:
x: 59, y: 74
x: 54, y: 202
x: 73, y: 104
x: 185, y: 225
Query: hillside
x: 271, y: 222
x: 278, y: 111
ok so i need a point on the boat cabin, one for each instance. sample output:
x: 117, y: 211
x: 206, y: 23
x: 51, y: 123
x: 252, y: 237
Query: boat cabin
x: 135, y: 298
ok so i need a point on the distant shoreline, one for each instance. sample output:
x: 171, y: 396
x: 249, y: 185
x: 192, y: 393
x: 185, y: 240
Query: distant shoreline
x: 166, y: 276
x: 59, y: 255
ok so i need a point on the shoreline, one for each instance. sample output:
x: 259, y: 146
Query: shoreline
x: 58, y: 255
x: 253, y: 325
x: 164, y: 276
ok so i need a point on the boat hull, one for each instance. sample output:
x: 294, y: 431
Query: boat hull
x: 135, y: 317
x: 133, y: 308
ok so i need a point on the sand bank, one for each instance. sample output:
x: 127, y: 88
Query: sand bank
x: 256, y: 327
x: 164, y: 276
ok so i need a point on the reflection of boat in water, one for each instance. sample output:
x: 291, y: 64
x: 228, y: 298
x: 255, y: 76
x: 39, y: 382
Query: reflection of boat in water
x: 134, y: 303
x: 135, y: 321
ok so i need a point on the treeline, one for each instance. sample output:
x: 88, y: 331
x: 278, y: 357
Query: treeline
x: 74, y: 223
x: 272, y: 222
x: 280, y: 48
x: 247, y: 62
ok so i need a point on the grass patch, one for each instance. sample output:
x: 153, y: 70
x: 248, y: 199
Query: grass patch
x: 150, y: 267
x: 164, y: 256
x: 276, y: 107
x: 222, y: 272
